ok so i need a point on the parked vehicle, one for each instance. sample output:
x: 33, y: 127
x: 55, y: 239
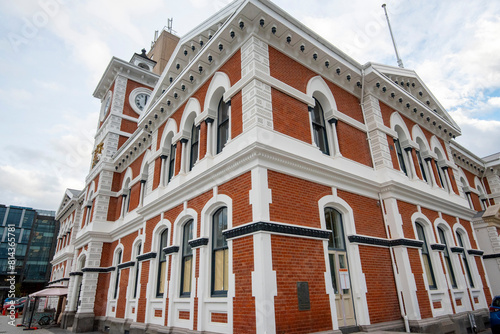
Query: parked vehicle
x: 495, y: 315
x: 17, y: 302
x: 7, y: 302
x: 19, y: 305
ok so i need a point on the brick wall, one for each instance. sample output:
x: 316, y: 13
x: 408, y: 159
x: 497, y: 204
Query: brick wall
x: 394, y: 155
x: 121, y: 303
x: 360, y: 152
x: 150, y: 225
x: 300, y: 260
x: 288, y: 70
x: 238, y: 189
x: 290, y: 116
x: 243, y: 302
x: 236, y: 115
x: 295, y: 201
x: 382, y: 297
x: 367, y: 214
x: 101, y: 295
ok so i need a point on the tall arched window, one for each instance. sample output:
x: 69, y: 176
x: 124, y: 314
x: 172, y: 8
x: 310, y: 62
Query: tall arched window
x: 162, y: 264
x: 220, y: 256
x: 117, y: 276
x: 319, y: 128
x: 429, y: 271
x: 401, y: 158
x: 171, y: 165
x: 422, y: 166
x: 464, y: 258
x: 137, y: 263
x: 222, y: 124
x: 195, y: 132
x: 447, y: 259
x: 187, y: 259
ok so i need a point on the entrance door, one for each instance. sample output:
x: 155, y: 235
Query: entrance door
x: 339, y: 269
x: 78, y: 297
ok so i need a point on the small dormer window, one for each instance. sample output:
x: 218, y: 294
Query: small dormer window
x: 144, y: 66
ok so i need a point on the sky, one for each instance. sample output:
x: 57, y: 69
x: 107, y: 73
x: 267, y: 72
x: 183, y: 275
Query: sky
x: 53, y: 53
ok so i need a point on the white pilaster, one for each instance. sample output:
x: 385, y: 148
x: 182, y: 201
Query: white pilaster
x: 408, y: 287
x: 377, y: 138
x: 256, y: 95
x: 264, y: 284
x: 89, y: 281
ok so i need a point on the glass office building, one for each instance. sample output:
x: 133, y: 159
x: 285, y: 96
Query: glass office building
x: 34, y: 233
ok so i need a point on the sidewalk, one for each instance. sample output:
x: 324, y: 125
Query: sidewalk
x: 6, y: 328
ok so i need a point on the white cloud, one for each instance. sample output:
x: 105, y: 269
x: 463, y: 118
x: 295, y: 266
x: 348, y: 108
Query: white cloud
x: 494, y: 101
x: 479, y: 136
x: 14, y: 95
x: 28, y: 187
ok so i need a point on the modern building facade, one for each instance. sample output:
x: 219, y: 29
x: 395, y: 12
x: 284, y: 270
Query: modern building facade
x: 33, y: 234
x: 250, y: 177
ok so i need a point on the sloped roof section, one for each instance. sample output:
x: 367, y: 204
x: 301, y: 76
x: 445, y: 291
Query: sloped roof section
x: 409, y: 81
x: 70, y: 195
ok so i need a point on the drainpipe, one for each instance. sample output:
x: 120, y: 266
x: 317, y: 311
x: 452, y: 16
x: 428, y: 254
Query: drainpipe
x: 394, y: 269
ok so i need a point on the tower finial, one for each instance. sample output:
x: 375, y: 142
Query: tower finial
x: 400, y: 62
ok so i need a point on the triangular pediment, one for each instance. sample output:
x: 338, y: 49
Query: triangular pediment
x: 70, y: 195
x: 409, y: 81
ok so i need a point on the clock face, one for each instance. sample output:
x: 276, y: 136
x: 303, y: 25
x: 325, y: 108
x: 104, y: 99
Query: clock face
x: 106, y: 106
x: 141, y: 100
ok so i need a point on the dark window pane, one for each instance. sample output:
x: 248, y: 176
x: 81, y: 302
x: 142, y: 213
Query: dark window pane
x: 333, y: 221
x: 319, y: 129
x: 222, y: 125
x: 220, y: 255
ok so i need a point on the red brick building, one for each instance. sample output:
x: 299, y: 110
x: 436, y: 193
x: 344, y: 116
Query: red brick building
x: 250, y: 177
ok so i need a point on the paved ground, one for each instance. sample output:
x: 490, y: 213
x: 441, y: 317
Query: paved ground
x: 6, y: 328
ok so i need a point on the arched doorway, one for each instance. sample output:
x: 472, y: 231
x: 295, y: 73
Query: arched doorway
x: 339, y: 269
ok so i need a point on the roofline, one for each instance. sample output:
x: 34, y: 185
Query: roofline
x: 117, y: 61
x: 311, y: 33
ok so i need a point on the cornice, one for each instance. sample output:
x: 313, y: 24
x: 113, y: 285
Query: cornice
x: 120, y: 67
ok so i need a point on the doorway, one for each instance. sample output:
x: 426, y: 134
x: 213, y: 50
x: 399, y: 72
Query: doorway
x: 339, y: 269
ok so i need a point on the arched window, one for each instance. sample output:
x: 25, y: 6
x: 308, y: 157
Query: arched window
x: 222, y: 124
x: 220, y: 256
x: 426, y: 257
x: 162, y: 264
x: 319, y: 128
x: 144, y: 182
x: 447, y: 259
x: 171, y: 165
x: 187, y: 259
x: 117, y: 277
x: 464, y: 258
x: 440, y: 174
x: 137, y: 263
x: 126, y: 197
x: 401, y: 158
x: 422, y: 166
x: 88, y: 217
x: 195, y: 133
